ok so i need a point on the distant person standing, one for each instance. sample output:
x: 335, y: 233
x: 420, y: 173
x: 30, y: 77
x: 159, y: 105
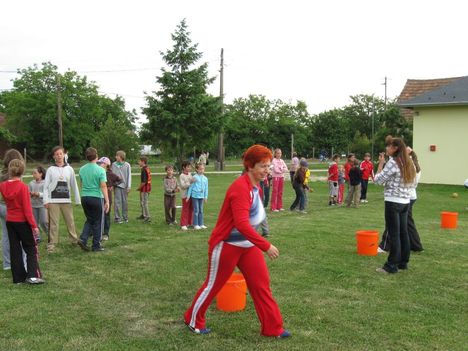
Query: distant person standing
x: 202, y: 159
x: 124, y: 171
x: 294, y: 167
x: 36, y: 190
x: 171, y: 188
x: 59, y: 183
x: 185, y: 180
x: 367, y: 170
x: 112, y: 181
x: 11, y: 154
x: 333, y: 175
x: 94, y: 199
x: 278, y: 170
x: 144, y: 188
x: 398, y: 177
x: 354, y: 185
x: 22, y: 228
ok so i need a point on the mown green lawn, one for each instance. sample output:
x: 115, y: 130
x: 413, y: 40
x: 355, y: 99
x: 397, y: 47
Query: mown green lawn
x: 133, y: 295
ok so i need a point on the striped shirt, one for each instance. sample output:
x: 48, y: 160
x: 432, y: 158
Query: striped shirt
x: 395, y: 189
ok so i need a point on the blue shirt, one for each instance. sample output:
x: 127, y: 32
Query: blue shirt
x: 199, y: 189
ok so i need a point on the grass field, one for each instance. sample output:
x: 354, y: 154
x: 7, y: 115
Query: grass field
x: 133, y: 295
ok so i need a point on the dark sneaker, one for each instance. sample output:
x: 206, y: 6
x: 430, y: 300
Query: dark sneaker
x: 284, y: 334
x: 99, y: 249
x: 82, y: 245
x: 140, y: 217
x: 35, y: 280
x: 203, y: 331
x: 147, y: 220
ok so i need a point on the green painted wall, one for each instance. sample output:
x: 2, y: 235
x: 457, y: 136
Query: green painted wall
x: 447, y: 128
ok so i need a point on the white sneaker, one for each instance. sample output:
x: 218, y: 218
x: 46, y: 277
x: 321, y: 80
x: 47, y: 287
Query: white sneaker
x: 379, y: 250
x: 362, y: 201
x: 184, y: 227
x: 197, y: 227
x: 203, y: 226
x: 281, y: 209
x: 275, y: 211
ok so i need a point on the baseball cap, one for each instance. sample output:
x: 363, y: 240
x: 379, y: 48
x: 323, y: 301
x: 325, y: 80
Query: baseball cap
x: 104, y: 160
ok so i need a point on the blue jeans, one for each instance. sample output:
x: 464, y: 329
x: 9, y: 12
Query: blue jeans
x: 396, y: 222
x: 300, y: 197
x: 197, y: 211
x: 93, y: 208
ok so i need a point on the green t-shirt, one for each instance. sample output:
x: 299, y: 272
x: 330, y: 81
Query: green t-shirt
x: 92, y: 176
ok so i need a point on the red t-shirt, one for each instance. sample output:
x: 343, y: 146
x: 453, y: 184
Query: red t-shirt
x: 347, y: 168
x: 18, y: 202
x: 333, y: 172
x: 367, y: 169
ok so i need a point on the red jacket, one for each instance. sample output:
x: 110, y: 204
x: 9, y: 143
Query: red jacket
x: 333, y: 172
x: 235, y: 213
x: 367, y: 169
x: 18, y: 202
x: 347, y: 168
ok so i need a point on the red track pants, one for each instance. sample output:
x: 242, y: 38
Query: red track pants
x: 277, y: 193
x: 186, y: 215
x: 221, y: 263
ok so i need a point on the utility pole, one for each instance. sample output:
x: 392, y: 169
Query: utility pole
x: 59, y: 111
x: 292, y: 145
x: 385, y: 100
x: 220, y: 164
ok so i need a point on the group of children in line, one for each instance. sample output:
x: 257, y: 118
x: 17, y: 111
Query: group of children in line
x: 356, y: 174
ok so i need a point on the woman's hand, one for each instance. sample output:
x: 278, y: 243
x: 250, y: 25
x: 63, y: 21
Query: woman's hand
x: 273, y: 252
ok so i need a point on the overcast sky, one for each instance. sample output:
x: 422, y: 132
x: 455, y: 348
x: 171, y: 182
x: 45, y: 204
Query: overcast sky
x: 320, y: 52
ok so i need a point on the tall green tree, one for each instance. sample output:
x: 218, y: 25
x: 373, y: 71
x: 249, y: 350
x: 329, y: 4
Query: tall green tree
x: 115, y: 136
x: 181, y: 114
x: 31, y: 110
x: 257, y: 119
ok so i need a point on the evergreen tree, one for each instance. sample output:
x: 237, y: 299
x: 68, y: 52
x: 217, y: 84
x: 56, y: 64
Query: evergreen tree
x: 181, y: 115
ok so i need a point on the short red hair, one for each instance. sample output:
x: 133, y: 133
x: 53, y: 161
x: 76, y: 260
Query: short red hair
x: 256, y: 154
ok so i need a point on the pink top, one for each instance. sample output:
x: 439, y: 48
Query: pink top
x: 279, y: 168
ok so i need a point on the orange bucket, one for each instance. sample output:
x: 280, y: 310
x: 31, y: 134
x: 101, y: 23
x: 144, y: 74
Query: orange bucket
x: 367, y: 242
x: 233, y: 295
x: 448, y: 220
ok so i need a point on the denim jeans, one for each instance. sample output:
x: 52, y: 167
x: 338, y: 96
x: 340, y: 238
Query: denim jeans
x: 197, y: 211
x: 364, y: 184
x: 300, y: 197
x: 93, y: 208
x: 396, y: 222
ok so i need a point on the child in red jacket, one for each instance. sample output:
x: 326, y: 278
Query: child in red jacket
x: 367, y: 170
x: 21, y: 225
x: 333, y: 180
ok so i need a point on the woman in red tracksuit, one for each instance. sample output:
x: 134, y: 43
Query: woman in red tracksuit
x: 235, y: 242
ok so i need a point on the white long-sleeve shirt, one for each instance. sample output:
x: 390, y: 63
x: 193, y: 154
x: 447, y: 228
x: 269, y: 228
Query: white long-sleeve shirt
x: 395, y: 189
x: 59, y: 182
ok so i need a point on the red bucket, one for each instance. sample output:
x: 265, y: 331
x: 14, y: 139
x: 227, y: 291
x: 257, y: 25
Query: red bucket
x: 367, y: 242
x: 233, y: 295
x: 448, y: 220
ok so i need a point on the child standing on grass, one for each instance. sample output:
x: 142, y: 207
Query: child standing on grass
x: 22, y: 228
x: 307, y: 188
x: 367, y: 169
x: 36, y: 190
x: 144, y: 189
x: 171, y: 188
x: 198, y: 191
x: 333, y: 180
x: 279, y: 168
x: 354, y: 185
x: 341, y: 183
x: 186, y: 179
x: 124, y: 171
x: 112, y: 181
x: 298, y: 184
